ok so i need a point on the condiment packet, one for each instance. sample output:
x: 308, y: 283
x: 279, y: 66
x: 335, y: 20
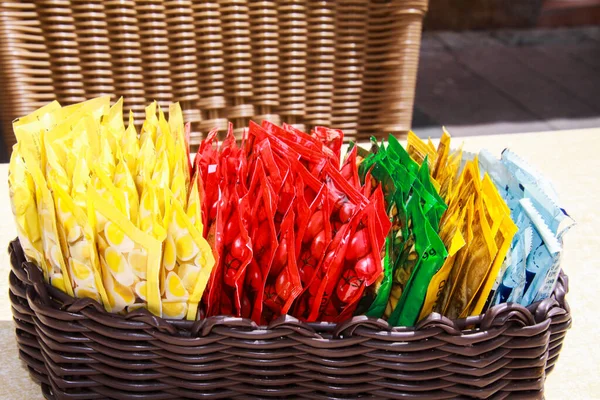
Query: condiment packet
x: 187, y: 259
x: 22, y: 192
x: 130, y: 257
x: 543, y: 261
x: 56, y: 270
x: 80, y: 252
x: 430, y: 253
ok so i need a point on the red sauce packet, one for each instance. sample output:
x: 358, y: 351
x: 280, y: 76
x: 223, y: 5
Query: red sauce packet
x: 206, y: 163
x: 283, y: 284
x: 264, y: 242
x: 313, y: 245
x: 211, y: 299
x: 349, y: 169
x: 352, y: 269
x: 331, y: 138
x: 306, y: 152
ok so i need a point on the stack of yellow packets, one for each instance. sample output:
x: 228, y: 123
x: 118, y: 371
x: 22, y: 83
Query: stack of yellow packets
x: 476, y: 229
x: 109, y: 215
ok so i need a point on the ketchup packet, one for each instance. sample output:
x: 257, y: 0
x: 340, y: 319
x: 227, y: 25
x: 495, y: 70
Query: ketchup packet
x: 349, y: 168
x: 331, y: 138
x: 264, y: 244
x: 360, y: 268
x: 313, y: 245
x: 283, y: 283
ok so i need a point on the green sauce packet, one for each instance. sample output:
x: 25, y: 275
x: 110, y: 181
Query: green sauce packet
x: 403, y: 183
x: 432, y: 253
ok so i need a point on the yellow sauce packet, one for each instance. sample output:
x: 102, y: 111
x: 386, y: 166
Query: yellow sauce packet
x: 438, y: 281
x: 448, y: 175
x: 28, y: 129
x: 123, y: 180
x: 75, y: 122
x: 130, y: 146
x: 503, y: 229
x: 441, y: 159
x: 150, y: 125
x: 504, y: 237
x: 165, y: 142
x: 187, y: 262
x: 460, y: 256
x: 176, y: 122
x: 419, y: 150
x: 161, y: 178
x: 205, y: 257
x: 56, y: 269
x: 42, y: 116
x: 21, y: 190
x: 179, y: 184
x: 482, y: 251
x: 128, y: 257
x: 81, y: 254
x: 146, y: 162
x: 151, y: 222
x: 181, y: 146
x: 468, y: 183
x: 112, y: 125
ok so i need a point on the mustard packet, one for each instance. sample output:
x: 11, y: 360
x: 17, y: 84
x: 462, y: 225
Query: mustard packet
x: 453, y: 240
x: 150, y: 125
x: 21, y: 190
x: 80, y: 252
x: 187, y: 261
x: 482, y: 252
x: 123, y: 180
x: 419, y: 150
x: 128, y: 257
x: 55, y: 267
x: 145, y: 164
x: 112, y: 126
x: 205, y: 257
x: 130, y: 146
x: 151, y: 222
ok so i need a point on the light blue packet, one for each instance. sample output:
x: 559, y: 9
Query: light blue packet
x: 507, y: 184
x: 543, y: 261
x: 511, y: 282
x: 526, y: 173
x: 555, y: 217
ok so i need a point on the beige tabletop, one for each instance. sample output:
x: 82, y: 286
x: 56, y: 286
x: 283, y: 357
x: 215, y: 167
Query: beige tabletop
x: 571, y: 159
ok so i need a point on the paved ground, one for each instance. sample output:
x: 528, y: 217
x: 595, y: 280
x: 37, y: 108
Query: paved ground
x: 508, y: 81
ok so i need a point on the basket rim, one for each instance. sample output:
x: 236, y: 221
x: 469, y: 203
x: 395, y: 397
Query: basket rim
x: 46, y: 300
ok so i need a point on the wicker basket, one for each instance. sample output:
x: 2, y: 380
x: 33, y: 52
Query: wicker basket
x: 350, y: 64
x: 76, y: 350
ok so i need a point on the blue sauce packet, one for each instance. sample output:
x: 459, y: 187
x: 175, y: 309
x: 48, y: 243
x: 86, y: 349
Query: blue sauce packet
x: 511, y: 282
x: 532, y: 265
x: 543, y: 260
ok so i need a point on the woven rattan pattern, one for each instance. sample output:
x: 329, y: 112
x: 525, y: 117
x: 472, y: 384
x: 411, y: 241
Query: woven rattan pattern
x: 76, y: 350
x: 227, y: 59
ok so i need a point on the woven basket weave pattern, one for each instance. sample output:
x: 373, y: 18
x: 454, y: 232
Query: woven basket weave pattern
x: 76, y: 350
x: 349, y: 64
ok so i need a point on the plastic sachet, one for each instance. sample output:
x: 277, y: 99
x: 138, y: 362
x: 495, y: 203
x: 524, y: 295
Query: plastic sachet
x: 543, y: 259
x: 187, y: 259
x: 516, y: 181
x: 21, y: 189
x: 503, y: 231
x: 56, y: 270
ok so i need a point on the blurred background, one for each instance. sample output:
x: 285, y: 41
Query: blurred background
x: 493, y: 66
x: 367, y: 67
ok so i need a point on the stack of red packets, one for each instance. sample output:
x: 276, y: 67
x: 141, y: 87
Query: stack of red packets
x: 292, y: 232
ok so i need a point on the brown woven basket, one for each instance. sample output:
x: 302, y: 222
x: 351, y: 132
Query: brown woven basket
x: 76, y: 350
x: 348, y: 64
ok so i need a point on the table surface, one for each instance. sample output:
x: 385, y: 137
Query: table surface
x: 569, y: 158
